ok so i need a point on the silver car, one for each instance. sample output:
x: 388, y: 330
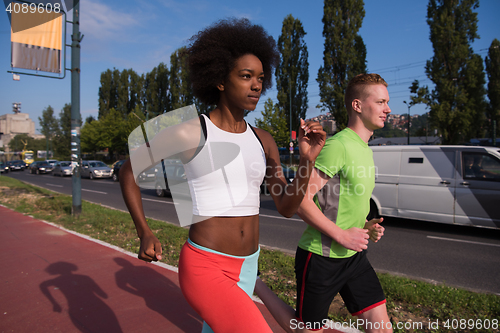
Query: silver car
x: 62, y: 169
x: 96, y: 169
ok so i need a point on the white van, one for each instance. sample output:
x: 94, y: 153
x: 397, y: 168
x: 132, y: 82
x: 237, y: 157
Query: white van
x: 447, y: 184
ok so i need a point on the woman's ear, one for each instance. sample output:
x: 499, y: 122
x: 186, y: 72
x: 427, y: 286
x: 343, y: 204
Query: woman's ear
x: 220, y: 86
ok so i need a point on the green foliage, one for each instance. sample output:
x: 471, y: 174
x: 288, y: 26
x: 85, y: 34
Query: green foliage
x: 17, y: 142
x: 62, y: 145
x: 121, y: 91
x: 292, y: 74
x: 344, y: 56
x: 156, y: 91
x: 493, y: 70
x: 110, y: 132
x: 180, y: 90
x: 457, y: 105
x: 388, y: 131
x: 274, y: 121
x: 445, y: 302
x: 108, y: 91
x: 49, y: 123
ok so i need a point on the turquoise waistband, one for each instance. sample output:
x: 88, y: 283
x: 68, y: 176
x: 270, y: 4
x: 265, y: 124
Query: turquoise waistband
x: 249, y: 257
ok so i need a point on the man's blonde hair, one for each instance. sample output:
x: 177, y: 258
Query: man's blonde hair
x: 356, y: 87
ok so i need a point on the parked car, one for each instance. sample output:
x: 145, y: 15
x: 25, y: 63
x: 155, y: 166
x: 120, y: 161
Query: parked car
x: 446, y: 184
x: 4, y: 168
x: 116, y: 170
x: 52, y: 162
x: 16, y: 165
x: 32, y: 166
x: 175, y: 174
x: 287, y: 172
x: 96, y: 169
x: 63, y: 168
x: 149, y: 175
x: 39, y: 167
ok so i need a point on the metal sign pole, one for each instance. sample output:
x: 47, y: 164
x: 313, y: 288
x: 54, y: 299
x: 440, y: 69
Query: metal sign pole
x: 75, y: 112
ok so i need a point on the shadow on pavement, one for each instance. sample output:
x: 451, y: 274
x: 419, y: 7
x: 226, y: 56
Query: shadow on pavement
x: 159, y: 293
x: 85, y: 306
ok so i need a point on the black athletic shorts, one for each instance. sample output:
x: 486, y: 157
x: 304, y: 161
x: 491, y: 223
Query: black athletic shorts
x: 320, y: 278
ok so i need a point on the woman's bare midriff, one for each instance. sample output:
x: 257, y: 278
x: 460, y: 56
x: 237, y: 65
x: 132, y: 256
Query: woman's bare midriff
x: 237, y: 236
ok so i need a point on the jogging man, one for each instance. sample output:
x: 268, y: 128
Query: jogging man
x: 331, y: 255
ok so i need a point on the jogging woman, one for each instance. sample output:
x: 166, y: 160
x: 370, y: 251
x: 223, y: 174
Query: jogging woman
x: 231, y: 65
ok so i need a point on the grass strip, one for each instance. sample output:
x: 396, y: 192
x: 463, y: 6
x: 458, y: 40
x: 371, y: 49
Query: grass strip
x: 415, y: 306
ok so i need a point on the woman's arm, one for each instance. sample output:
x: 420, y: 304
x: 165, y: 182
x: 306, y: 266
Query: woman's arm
x: 150, y: 249
x: 288, y: 197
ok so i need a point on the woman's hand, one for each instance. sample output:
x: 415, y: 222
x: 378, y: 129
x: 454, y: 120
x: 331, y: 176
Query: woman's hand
x: 311, y: 139
x: 150, y: 248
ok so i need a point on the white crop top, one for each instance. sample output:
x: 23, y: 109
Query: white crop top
x: 224, y: 177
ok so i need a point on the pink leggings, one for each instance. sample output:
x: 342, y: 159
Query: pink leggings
x: 219, y: 287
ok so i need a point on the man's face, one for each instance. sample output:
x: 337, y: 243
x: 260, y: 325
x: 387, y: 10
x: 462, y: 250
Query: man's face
x: 375, y: 106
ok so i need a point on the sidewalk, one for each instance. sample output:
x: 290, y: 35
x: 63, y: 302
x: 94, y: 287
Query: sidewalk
x: 59, y: 281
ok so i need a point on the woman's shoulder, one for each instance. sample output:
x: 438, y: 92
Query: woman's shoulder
x: 264, y: 136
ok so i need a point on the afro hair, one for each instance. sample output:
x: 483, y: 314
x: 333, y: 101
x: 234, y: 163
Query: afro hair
x: 212, y: 54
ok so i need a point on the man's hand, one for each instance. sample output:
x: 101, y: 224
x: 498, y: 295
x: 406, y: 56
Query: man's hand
x: 375, y: 230
x: 150, y: 248
x: 355, y: 239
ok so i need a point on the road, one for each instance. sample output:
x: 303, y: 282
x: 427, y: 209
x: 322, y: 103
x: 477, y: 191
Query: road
x: 459, y: 256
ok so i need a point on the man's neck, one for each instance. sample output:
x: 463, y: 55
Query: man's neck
x: 360, y: 129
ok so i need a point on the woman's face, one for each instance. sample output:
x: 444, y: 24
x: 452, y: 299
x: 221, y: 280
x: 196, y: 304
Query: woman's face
x: 243, y: 86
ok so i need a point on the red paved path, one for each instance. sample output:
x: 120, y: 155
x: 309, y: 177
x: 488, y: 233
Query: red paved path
x: 56, y: 281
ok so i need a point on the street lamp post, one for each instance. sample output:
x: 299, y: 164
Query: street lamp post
x: 409, y: 106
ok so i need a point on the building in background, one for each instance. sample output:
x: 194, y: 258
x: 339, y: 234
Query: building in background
x: 14, y: 124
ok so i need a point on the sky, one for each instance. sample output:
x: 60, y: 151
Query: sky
x: 140, y: 34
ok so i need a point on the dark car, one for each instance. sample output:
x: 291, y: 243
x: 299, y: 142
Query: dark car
x: 287, y: 172
x: 174, y: 172
x: 4, y: 168
x: 16, y: 165
x: 116, y: 170
x: 32, y: 166
x: 39, y: 167
x: 149, y: 175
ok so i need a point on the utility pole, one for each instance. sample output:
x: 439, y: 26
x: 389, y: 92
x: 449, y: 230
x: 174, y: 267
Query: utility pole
x: 494, y: 133
x: 76, y: 119
x: 291, y: 138
x: 409, y: 106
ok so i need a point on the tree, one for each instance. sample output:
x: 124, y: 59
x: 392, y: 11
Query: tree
x: 180, y: 89
x: 109, y: 132
x: 292, y: 74
x: 108, y: 91
x: 136, y: 91
x: 420, y: 94
x: 62, y: 145
x: 89, y: 136
x: 344, y: 56
x: 49, y: 124
x: 493, y: 70
x: 274, y: 121
x: 156, y: 91
x: 17, y: 143
x: 388, y: 131
x: 457, y: 105
x: 112, y: 133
